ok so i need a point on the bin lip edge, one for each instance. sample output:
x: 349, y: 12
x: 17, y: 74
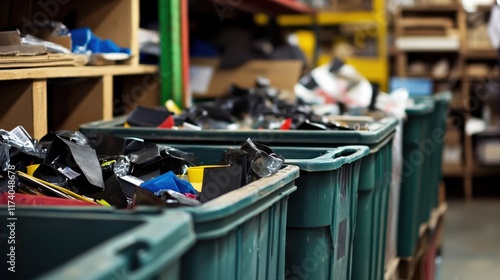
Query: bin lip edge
x: 213, y: 209
x: 388, y: 124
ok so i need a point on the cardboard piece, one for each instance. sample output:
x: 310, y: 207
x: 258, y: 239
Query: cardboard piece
x: 283, y: 74
x: 10, y: 45
x: 46, y: 60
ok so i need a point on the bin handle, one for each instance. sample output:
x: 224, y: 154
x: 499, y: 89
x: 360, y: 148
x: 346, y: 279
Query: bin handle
x: 145, y: 254
x: 333, y: 159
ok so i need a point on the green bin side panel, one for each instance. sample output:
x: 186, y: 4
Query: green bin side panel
x: 371, y: 214
x: 415, y: 194
x: 366, y: 248
x: 87, y: 244
x: 319, y: 211
x: 319, y: 243
x: 253, y: 249
x: 442, y: 104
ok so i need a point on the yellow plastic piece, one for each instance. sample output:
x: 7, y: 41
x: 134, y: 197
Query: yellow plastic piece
x: 108, y: 163
x: 126, y: 125
x: 195, y: 175
x: 32, y: 168
x: 61, y: 189
x: 103, y: 202
x: 172, y: 107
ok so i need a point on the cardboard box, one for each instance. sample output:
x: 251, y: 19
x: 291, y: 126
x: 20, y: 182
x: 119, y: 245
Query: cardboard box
x: 10, y: 45
x: 208, y: 81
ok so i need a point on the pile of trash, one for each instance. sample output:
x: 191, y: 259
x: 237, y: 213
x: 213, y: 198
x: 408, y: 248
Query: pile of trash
x: 66, y: 168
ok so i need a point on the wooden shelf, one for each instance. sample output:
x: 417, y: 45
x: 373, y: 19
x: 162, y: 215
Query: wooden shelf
x: 431, y: 8
x: 445, y: 79
x: 70, y: 72
x: 481, y: 54
x: 453, y: 170
x: 484, y: 8
x: 480, y: 170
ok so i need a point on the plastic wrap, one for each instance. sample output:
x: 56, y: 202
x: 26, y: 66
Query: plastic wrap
x: 56, y: 28
x: 175, y: 199
x: 122, y: 166
x: 18, y: 138
x: 190, y: 158
x: 264, y: 162
x: 74, y: 136
x: 50, y: 46
x: 4, y: 156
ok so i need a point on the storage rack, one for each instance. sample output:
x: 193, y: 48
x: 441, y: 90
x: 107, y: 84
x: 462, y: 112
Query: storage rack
x: 30, y: 100
x: 375, y: 69
x: 469, y: 167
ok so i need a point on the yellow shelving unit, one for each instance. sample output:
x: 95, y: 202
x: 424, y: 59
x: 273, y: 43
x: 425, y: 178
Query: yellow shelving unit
x: 374, y: 69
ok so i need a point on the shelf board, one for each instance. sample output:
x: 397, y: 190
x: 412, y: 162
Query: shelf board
x: 480, y: 171
x: 445, y: 79
x: 481, y: 54
x: 431, y: 8
x: 270, y: 7
x: 72, y: 72
x: 453, y: 170
x: 484, y: 8
x: 493, y: 77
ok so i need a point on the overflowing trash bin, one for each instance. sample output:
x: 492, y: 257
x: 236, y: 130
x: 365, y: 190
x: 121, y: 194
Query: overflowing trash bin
x: 369, y: 236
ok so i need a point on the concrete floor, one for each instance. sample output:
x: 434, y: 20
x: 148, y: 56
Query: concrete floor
x: 471, y: 247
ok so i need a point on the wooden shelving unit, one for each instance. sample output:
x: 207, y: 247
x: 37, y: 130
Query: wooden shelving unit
x: 372, y: 24
x: 54, y: 98
x: 75, y: 72
x: 463, y: 57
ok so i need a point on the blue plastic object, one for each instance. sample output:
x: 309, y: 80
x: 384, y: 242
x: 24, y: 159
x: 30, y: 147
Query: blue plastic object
x: 415, y: 86
x: 84, y: 40
x: 168, y: 181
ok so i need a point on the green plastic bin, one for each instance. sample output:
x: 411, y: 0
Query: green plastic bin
x: 241, y: 234
x: 367, y: 260
x: 320, y: 217
x: 415, y: 179
x: 442, y: 105
x: 98, y: 243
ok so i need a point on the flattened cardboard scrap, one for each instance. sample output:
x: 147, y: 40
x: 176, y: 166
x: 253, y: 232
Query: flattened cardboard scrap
x: 47, y: 60
x: 10, y: 45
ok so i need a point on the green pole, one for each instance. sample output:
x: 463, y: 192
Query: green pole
x: 171, y: 50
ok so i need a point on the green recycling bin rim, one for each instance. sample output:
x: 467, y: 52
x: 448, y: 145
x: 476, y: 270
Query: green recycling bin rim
x: 424, y: 107
x: 333, y: 159
x: 112, y: 255
x: 223, y: 214
x: 444, y: 96
x: 377, y: 131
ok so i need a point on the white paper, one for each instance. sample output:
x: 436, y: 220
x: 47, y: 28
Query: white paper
x: 133, y: 180
x: 68, y: 172
x: 494, y: 27
x: 199, y: 78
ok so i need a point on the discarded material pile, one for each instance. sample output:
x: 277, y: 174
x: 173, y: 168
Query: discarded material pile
x: 65, y: 168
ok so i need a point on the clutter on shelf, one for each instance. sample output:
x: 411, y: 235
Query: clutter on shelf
x: 56, y: 45
x: 24, y: 52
